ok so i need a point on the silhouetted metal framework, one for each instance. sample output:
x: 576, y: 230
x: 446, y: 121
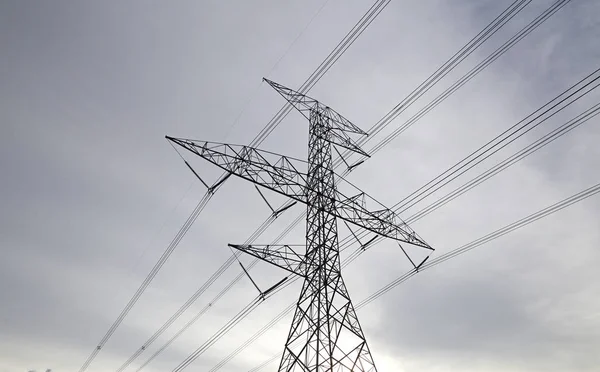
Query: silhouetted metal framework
x: 325, y: 334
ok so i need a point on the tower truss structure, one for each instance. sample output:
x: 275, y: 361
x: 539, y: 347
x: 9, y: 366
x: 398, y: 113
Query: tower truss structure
x: 325, y: 334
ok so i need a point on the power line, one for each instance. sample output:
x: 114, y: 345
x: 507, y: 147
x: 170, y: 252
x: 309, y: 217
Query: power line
x: 253, y: 338
x: 265, y: 363
x: 517, y: 225
x: 510, y: 11
x: 223, y: 330
x: 556, y: 207
x: 313, y: 79
x: 178, y: 313
x: 324, y: 291
x: 558, y: 132
x: 509, y: 161
x: 197, y: 295
x: 285, y: 53
x: 466, y: 50
x: 520, y: 35
x: 349, y: 39
x: 161, y: 261
x: 528, y: 150
x: 545, y: 212
x: 514, y: 9
x: 192, y: 321
x: 338, y: 51
x: 557, y: 104
x: 219, y: 295
x: 490, y: 30
x: 501, y: 19
x: 314, y: 16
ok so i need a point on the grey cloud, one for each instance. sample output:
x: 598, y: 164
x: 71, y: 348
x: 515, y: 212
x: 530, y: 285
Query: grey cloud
x: 89, y: 91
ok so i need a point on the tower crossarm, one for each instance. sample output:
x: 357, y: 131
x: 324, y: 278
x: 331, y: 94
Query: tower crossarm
x: 338, y: 127
x: 273, y: 171
x: 280, y: 174
x: 384, y: 221
x: 282, y: 256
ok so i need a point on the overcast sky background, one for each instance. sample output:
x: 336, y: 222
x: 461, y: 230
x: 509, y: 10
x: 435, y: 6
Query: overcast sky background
x: 92, y: 193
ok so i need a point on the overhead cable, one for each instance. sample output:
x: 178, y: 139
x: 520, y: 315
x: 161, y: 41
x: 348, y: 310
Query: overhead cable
x: 490, y: 30
x: 528, y: 150
x: 545, y: 212
x: 516, y: 7
x: 350, y: 38
x: 161, y: 261
x: 520, y: 35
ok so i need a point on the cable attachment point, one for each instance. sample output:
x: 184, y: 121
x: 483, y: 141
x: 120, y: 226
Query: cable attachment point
x: 210, y: 189
x: 197, y: 175
x: 273, y: 287
x: 363, y: 247
x: 262, y: 294
x: 351, y: 167
x: 421, y: 264
x: 283, y: 209
x: 249, y: 277
x: 407, y: 256
x: 416, y: 267
x: 214, y: 187
x: 275, y: 213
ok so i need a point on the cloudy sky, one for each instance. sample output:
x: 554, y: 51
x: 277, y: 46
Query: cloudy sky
x: 92, y: 193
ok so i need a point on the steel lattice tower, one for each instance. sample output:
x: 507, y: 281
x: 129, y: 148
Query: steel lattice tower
x: 325, y: 334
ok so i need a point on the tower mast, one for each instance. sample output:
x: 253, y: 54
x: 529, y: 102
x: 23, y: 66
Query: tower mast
x: 325, y: 335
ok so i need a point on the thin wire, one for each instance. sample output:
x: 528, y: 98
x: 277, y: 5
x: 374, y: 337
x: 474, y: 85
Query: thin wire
x: 202, y: 203
x: 386, y: 4
x: 194, y: 319
x: 265, y: 363
x: 556, y: 207
x: 515, y: 157
x: 520, y: 35
x: 191, y: 301
x: 178, y: 313
x: 519, y: 4
x: 243, y: 110
x: 509, y: 161
x: 545, y: 212
x: 212, y: 302
x: 160, y: 229
x: 289, y: 48
x: 490, y: 30
x: 253, y: 338
x: 285, y: 53
x: 486, y: 62
x: 329, y: 61
x: 499, y: 142
x: 466, y: 50
x: 397, y: 206
x: 164, y: 257
x: 176, y: 150
x: 222, y: 331
x: 528, y: 150
x: 340, y: 49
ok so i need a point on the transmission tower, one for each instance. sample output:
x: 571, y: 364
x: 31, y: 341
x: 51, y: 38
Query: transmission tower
x: 325, y: 334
